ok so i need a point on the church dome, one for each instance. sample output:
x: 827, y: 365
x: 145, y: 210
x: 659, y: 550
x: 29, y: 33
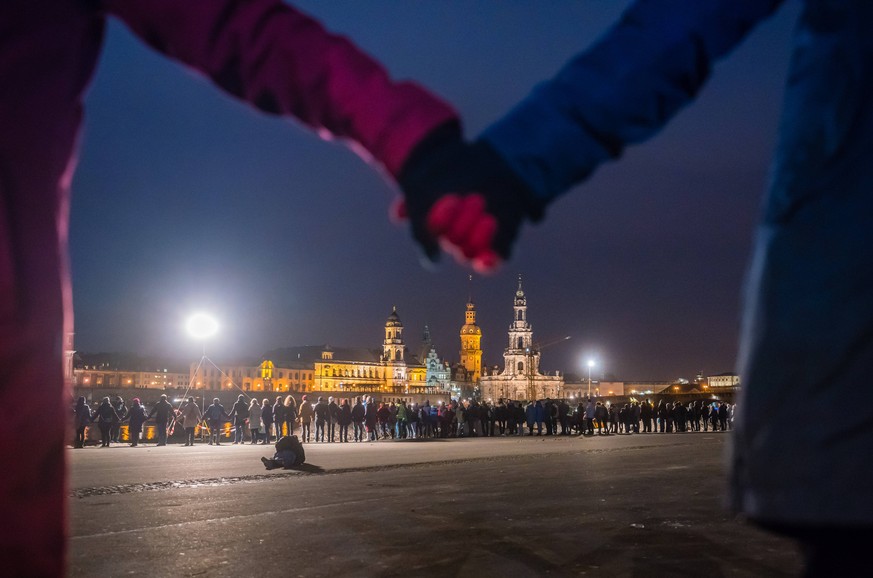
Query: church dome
x: 471, y: 330
x: 393, y: 320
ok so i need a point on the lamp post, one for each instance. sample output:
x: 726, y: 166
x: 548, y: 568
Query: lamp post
x: 200, y: 326
x: 590, y: 365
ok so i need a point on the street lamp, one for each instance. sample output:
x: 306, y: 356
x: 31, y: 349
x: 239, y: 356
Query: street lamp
x: 200, y: 326
x: 590, y: 365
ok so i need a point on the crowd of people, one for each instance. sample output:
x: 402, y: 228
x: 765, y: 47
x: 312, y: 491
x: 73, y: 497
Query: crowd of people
x: 329, y: 420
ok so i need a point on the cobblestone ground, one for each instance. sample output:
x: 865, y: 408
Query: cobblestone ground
x: 642, y: 505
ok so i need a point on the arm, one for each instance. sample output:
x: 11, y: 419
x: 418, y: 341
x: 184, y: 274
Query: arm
x: 620, y: 91
x: 283, y: 62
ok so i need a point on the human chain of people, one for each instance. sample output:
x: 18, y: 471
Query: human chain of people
x: 363, y: 419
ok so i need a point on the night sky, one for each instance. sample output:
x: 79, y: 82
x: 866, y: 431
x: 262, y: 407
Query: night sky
x: 186, y: 199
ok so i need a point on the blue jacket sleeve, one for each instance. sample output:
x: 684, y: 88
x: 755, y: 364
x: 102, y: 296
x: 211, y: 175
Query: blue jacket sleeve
x: 620, y: 91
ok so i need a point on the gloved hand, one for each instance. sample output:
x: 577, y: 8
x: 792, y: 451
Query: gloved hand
x: 464, y: 198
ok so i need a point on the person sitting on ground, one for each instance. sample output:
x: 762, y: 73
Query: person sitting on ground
x: 289, y: 453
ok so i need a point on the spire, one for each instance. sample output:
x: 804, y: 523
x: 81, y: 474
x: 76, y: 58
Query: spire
x: 426, y: 345
x: 470, y: 298
x: 520, y: 300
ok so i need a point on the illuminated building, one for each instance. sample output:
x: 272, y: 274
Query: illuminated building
x: 471, y: 349
x: 111, y: 371
x: 104, y: 378
x: 438, y: 373
x: 266, y: 376
x: 466, y: 374
x: 521, y: 377
x: 391, y: 373
x: 723, y: 380
x: 387, y: 374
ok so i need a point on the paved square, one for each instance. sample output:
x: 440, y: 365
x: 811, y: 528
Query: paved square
x: 640, y: 505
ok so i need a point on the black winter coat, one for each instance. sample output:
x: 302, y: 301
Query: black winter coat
x: 136, y: 417
x: 345, y: 415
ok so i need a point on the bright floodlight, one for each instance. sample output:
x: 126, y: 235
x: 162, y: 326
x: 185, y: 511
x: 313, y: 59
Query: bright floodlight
x: 591, y: 363
x: 201, y: 326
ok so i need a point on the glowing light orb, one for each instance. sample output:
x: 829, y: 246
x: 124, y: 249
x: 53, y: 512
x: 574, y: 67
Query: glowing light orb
x: 201, y: 326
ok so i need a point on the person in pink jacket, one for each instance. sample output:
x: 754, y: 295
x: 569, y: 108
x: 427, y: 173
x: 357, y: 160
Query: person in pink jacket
x: 261, y: 51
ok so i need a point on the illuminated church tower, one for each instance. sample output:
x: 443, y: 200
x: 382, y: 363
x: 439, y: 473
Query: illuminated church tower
x: 521, y: 378
x: 521, y: 357
x: 392, y: 347
x: 392, y: 354
x: 471, y: 337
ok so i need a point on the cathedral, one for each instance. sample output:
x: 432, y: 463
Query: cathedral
x: 521, y: 378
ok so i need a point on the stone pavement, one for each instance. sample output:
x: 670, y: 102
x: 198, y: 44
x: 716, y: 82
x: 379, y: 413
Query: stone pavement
x: 641, y: 505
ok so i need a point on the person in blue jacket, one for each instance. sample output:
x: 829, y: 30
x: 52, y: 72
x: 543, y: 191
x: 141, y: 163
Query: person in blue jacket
x: 808, y: 317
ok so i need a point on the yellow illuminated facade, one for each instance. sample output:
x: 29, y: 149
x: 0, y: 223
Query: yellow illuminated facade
x: 263, y: 377
x: 385, y: 374
x: 471, y: 348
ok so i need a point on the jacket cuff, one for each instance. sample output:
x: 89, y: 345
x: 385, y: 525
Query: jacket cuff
x: 411, y: 125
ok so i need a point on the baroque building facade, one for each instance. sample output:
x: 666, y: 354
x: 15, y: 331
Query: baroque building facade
x: 389, y: 371
x: 521, y: 378
x: 389, y: 374
x: 249, y: 376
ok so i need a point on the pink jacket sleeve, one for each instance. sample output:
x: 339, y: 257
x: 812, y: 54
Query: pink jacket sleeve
x: 284, y: 62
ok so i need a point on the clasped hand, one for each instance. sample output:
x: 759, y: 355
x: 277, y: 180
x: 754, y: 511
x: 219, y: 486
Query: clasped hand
x: 463, y: 198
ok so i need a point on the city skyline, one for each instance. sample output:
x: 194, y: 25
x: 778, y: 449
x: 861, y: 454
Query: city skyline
x: 185, y: 200
x: 412, y: 341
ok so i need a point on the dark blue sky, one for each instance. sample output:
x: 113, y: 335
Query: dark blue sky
x: 185, y: 199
